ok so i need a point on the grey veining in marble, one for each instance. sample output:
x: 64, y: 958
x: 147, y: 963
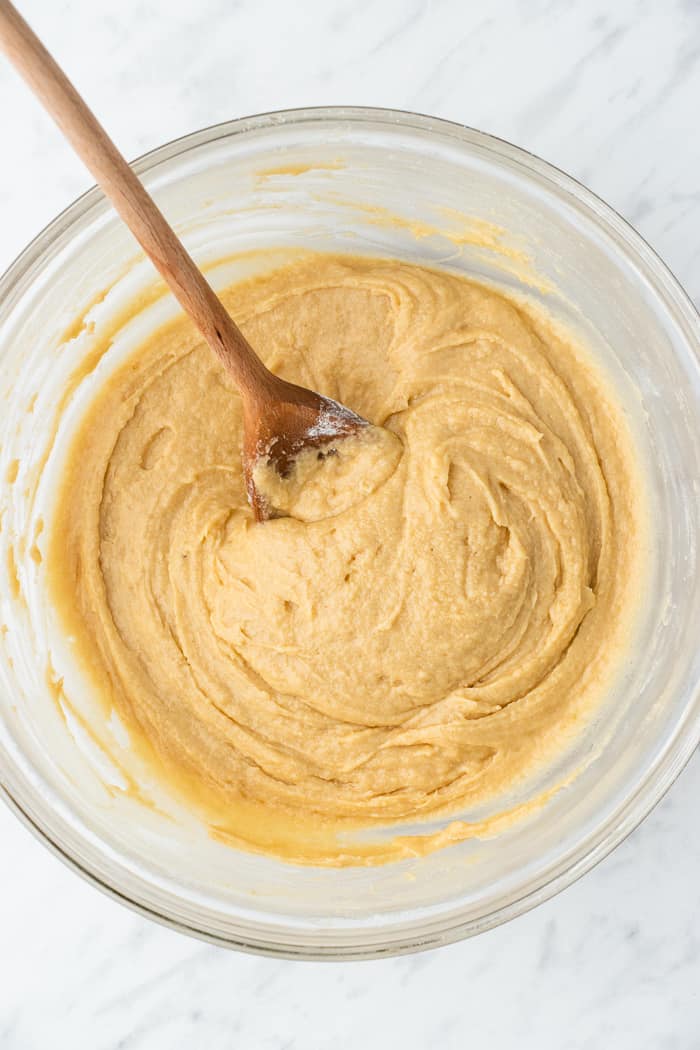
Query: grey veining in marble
x: 608, y: 91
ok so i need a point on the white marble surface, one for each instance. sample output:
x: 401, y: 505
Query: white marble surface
x: 608, y: 91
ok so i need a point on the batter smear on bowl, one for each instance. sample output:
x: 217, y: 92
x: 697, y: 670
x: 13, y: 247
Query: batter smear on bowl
x: 414, y: 638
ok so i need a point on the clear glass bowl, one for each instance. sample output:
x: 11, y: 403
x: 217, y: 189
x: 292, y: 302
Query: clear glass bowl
x: 323, y: 178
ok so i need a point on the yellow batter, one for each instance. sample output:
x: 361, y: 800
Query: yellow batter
x: 418, y: 642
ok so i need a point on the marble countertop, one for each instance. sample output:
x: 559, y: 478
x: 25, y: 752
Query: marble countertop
x: 609, y: 92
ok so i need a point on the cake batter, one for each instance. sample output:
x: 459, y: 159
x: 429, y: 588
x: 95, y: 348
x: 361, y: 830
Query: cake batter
x: 418, y: 635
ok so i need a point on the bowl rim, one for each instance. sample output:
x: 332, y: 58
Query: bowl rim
x: 686, y: 734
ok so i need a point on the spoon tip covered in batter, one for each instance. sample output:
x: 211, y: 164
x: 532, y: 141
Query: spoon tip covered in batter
x: 297, y: 424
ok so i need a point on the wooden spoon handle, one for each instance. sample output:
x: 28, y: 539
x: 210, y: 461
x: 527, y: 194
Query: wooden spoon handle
x: 136, y: 207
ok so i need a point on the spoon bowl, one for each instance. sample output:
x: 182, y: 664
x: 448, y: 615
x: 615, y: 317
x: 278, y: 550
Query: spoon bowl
x: 291, y: 421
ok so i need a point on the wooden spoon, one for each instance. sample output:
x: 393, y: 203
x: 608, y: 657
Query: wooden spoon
x: 280, y: 419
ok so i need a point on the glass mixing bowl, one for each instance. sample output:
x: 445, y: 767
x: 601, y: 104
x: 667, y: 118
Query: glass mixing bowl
x: 369, y: 181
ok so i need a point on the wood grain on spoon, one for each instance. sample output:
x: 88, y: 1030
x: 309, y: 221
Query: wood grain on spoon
x: 280, y: 419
